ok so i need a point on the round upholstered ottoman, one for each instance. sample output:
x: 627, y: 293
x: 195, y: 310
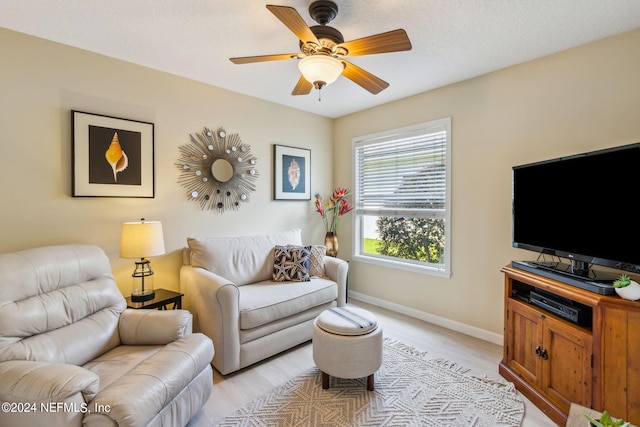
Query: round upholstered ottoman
x: 347, y: 343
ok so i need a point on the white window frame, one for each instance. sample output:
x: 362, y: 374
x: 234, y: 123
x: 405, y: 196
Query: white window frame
x: 441, y: 270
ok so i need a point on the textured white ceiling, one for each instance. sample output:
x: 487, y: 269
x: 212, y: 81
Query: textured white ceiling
x: 452, y: 40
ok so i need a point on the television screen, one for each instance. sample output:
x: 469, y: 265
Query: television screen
x: 581, y: 207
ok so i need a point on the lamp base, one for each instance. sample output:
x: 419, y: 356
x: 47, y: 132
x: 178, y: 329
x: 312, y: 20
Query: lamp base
x: 144, y: 296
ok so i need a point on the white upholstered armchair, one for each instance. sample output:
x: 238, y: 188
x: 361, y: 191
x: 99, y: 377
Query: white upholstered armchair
x: 229, y: 287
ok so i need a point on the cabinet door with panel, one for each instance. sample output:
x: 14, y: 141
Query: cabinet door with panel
x: 524, y: 341
x: 566, y: 363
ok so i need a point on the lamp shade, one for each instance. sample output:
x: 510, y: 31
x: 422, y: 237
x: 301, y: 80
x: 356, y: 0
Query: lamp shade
x: 320, y: 70
x: 141, y: 239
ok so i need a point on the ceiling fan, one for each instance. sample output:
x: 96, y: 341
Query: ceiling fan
x: 323, y: 49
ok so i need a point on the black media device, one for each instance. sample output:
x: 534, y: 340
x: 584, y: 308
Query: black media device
x: 563, y: 307
x: 580, y: 208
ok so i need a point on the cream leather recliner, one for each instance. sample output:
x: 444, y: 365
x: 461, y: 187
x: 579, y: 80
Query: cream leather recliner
x: 71, y: 354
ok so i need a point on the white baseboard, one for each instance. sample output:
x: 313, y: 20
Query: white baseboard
x: 430, y: 318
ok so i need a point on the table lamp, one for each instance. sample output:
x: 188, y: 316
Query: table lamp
x: 141, y: 240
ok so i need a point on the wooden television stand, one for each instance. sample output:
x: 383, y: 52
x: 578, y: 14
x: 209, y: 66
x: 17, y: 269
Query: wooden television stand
x: 555, y: 362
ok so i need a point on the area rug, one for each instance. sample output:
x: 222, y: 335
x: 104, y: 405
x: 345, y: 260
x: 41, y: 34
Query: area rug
x: 410, y: 390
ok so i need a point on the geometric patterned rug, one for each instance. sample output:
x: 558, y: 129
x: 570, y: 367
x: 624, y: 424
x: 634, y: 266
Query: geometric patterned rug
x: 410, y: 390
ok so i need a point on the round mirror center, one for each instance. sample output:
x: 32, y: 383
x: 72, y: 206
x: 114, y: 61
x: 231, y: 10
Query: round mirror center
x: 222, y: 170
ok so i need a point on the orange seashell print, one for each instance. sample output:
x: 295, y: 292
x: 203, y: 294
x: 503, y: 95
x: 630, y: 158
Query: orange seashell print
x: 116, y: 157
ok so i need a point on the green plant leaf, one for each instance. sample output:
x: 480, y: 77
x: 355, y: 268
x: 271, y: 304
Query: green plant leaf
x: 607, y: 421
x: 622, y: 281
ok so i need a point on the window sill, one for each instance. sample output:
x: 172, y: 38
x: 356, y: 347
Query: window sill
x: 405, y: 266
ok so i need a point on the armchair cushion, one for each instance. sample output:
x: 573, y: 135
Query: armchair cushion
x: 58, y: 304
x: 265, y: 302
x: 291, y: 263
x: 316, y: 261
x: 241, y: 260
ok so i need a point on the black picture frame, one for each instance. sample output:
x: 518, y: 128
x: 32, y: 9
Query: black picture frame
x: 112, y: 156
x: 291, y: 173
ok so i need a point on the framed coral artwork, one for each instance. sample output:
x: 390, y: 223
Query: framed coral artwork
x: 112, y: 157
x: 291, y: 173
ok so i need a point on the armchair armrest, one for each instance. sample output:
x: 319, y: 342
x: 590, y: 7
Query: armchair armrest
x: 153, y: 327
x: 214, y: 301
x: 25, y: 381
x: 39, y: 393
x: 337, y: 269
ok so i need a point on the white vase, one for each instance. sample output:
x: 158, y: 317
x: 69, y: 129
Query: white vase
x: 631, y: 292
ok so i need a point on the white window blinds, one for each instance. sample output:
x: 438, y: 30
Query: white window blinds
x: 402, y: 172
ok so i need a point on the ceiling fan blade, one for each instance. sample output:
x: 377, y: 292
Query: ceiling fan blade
x: 364, y: 78
x: 392, y: 41
x: 263, y: 58
x: 303, y: 87
x: 292, y: 19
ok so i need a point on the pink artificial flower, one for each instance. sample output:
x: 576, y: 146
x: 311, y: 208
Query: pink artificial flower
x: 339, y: 193
x: 318, y: 203
x: 345, y: 207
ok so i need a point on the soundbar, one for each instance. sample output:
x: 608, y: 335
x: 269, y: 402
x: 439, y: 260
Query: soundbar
x: 551, y: 271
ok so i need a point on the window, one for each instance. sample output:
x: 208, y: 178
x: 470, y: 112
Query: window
x: 402, y: 198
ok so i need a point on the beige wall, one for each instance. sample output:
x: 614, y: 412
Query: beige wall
x: 574, y: 101
x: 41, y: 82
x: 579, y: 100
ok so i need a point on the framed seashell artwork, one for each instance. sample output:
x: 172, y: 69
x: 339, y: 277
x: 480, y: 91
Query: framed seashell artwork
x: 217, y: 170
x: 112, y: 157
x: 291, y: 173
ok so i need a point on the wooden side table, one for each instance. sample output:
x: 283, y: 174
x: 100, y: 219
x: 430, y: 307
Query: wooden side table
x: 161, y: 300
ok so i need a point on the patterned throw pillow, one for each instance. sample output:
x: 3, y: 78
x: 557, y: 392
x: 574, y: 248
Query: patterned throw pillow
x: 291, y: 263
x: 316, y: 261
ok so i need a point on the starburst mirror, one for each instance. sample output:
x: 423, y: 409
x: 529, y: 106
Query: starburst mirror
x: 217, y: 170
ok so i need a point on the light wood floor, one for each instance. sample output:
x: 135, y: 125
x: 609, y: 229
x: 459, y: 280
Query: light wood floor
x: 233, y: 391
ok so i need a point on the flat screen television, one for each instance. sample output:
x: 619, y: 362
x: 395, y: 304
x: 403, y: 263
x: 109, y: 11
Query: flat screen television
x: 581, y: 208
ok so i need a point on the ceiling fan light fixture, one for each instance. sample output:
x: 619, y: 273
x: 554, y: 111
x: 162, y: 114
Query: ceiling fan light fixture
x: 320, y: 70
